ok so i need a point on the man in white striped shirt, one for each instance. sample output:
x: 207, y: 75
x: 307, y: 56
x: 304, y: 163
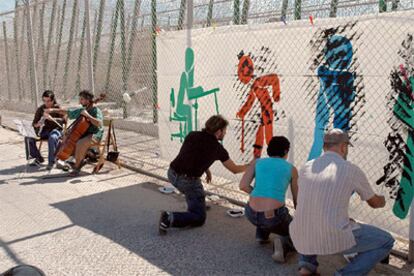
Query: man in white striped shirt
x: 322, y: 226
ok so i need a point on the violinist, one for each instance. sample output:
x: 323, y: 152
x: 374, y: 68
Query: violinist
x: 93, y: 134
x: 47, y: 126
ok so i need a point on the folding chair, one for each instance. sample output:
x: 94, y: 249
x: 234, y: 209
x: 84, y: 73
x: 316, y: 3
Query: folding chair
x: 103, y: 146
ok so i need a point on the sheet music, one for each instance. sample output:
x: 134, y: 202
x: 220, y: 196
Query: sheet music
x: 25, y: 128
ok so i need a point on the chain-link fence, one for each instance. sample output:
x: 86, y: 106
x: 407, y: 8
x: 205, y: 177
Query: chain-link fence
x: 140, y: 52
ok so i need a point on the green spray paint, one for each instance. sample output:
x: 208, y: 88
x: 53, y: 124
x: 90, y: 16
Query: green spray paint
x: 184, y: 112
x: 404, y: 111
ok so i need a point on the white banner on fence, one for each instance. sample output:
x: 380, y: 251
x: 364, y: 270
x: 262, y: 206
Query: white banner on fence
x: 297, y: 79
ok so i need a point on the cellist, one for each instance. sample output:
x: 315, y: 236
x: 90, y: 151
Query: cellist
x: 93, y: 134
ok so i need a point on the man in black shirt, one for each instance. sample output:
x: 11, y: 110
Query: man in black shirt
x: 47, y: 126
x: 198, y: 152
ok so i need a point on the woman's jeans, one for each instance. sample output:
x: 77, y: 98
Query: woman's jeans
x: 194, y: 193
x: 278, y: 224
x: 52, y: 141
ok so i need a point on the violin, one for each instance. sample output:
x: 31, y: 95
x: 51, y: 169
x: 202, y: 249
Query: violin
x: 42, y: 125
x: 75, y: 132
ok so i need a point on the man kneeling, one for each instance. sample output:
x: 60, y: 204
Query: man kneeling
x: 199, y: 151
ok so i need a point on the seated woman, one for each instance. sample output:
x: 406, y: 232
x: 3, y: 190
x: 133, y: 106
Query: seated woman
x: 266, y: 207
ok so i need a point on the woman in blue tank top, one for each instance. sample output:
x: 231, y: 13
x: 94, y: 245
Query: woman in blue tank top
x: 266, y: 207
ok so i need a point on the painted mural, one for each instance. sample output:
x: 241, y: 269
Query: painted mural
x: 399, y: 172
x: 298, y: 80
x: 253, y: 85
x: 184, y: 106
x: 340, y: 96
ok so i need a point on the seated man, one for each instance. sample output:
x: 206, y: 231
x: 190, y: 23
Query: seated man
x: 47, y: 126
x: 93, y: 134
x: 321, y: 225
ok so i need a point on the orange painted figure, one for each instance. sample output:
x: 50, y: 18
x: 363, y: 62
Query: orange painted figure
x: 259, y: 90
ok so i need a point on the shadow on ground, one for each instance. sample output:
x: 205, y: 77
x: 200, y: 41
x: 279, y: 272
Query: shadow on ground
x: 226, y: 246
x: 20, y: 169
x: 129, y: 216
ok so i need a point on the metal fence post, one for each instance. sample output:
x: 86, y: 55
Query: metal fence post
x: 181, y: 14
x: 34, y: 20
x: 23, y: 57
x: 154, y: 60
x: 16, y: 51
x: 190, y: 18
x: 210, y: 12
x: 130, y: 50
x: 133, y: 34
x: 114, y: 25
x: 41, y: 45
x: 284, y: 9
x: 298, y: 9
x: 123, y: 45
x: 334, y: 7
x: 123, y: 55
x: 382, y: 6
x: 95, y: 24
x: 6, y: 49
x: 98, y: 35
x: 59, y: 43
x: 236, y: 12
x: 69, y: 49
x: 89, y: 48
x: 245, y: 11
x: 394, y: 6
x: 82, y: 43
x: 32, y: 55
x: 49, y: 42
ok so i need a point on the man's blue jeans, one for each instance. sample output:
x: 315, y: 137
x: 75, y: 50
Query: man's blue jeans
x: 52, y: 140
x: 372, y: 246
x: 194, y: 193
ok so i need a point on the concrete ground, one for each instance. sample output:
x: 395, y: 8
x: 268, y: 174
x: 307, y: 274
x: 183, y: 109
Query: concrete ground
x: 106, y: 224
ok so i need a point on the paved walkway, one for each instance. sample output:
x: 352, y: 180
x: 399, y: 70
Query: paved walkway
x: 106, y: 224
x: 142, y: 152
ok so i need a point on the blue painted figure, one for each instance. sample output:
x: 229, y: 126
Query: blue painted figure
x: 337, y: 90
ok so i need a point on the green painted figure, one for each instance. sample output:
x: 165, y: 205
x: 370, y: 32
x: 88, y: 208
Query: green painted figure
x: 404, y: 111
x: 187, y: 92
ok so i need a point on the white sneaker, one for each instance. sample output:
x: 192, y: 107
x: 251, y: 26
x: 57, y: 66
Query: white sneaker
x: 62, y: 165
x: 350, y: 257
x: 278, y: 251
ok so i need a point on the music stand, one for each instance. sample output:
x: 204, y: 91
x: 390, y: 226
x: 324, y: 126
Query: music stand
x: 26, y: 129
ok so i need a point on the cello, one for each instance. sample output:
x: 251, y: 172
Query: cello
x: 74, y: 132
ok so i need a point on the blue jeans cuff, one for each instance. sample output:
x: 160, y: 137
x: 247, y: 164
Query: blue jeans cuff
x: 311, y: 267
x: 171, y: 218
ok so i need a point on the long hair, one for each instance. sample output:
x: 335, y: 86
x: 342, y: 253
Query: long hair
x: 49, y: 94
